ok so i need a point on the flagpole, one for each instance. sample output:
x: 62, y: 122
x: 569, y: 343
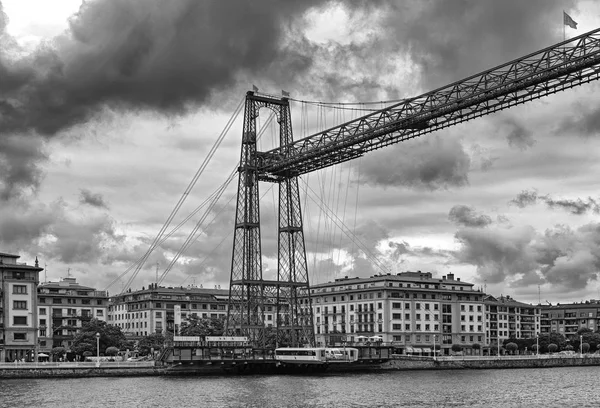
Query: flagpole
x: 563, y: 27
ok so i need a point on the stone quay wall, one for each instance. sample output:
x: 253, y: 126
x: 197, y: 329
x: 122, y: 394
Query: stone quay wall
x: 448, y: 363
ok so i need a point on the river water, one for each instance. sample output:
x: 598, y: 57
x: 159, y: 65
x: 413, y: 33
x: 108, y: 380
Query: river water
x: 549, y: 387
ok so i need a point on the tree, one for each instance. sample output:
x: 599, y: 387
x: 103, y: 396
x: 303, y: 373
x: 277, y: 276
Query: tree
x: 154, y: 341
x: 534, y: 348
x: 476, y: 346
x: 512, y: 347
x: 198, y: 326
x: 585, y: 347
x: 552, y: 348
x: 57, y: 352
x: 85, y: 340
x: 112, y: 351
x: 456, y: 348
x: 551, y: 338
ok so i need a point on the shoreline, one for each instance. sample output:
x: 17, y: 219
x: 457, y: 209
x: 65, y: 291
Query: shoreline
x: 405, y: 363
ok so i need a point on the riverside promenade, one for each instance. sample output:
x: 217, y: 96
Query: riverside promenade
x: 80, y: 369
x: 397, y: 363
x: 490, y: 362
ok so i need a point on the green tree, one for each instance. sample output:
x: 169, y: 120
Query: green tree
x: 512, y: 347
x: 551, y: 338
x: 193, y: 325
x: 57, y: 352
x: 585, y: 347
x: 593, y: 339
x: 456, y: 348
x: 112, y: 351
x: 85, y: 340
x: 154, y: 341
x: 552, y: 348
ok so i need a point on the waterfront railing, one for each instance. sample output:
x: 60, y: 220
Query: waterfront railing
x: 77, y: 364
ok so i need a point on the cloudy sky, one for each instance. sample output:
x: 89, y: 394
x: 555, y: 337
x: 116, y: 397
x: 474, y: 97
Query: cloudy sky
x: 109, y: 108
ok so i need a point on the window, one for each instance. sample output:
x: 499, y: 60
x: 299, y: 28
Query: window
x: 407, y: 316
x: 42, y: 311
x: 407, y: 327
x: 57, y: 301
x: 42, y: 322
x: 20, y: 304
x: 407, y: 306
x: 20, y: 336
x: 99, y: 313
x: 22, y: 289
x: 20, y: 320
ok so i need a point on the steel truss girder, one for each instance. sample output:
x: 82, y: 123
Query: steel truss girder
x: 556, y: 68
x: 249, y: 295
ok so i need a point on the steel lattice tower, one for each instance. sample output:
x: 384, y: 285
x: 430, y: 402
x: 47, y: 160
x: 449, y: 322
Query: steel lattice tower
x: 249, y: 294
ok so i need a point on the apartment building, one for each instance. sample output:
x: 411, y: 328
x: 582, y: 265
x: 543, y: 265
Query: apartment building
x: 63, y: 308
x: 567, y: 319
x: 158, y: 309
x: 18, y: 308
x: 507, y: 318
x: 411, y: 310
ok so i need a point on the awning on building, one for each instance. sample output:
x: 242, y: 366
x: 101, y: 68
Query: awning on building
x: 408, y: 349
x: 416, y: 350
x: 426, y: 350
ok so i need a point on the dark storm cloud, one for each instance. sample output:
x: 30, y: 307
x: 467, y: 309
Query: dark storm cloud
x: 151, y: 54
x: 525, y: 198
x: 586, y: 122
x: 453, y: 39
x: 94, y: 200
x: 576, y: 207
x: 467, y: 216
x: 497, y: 253
x: 518, y: 136
x: 20, y: 159
x: 432, y: 163
x: 50, y: 232
x: 565, y: 258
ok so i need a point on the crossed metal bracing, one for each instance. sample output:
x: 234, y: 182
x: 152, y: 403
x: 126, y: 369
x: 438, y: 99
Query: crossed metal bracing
x: 251, y: 297
x: 556, y: 68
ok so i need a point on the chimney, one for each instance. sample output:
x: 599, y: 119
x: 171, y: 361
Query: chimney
x: 450, y: 276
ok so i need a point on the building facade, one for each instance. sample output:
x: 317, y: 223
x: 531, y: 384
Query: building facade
x: 63, y: 308
x: 158, y: 309
x: 18, y: 309
x: 412, y: 311
x: 507, y: 318
x: 567, y: 319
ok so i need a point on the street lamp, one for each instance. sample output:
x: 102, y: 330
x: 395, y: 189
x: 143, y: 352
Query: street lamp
x: 580, y: 346
x: 97, y: 349
x: 434, y: 350
x: 537, y: 346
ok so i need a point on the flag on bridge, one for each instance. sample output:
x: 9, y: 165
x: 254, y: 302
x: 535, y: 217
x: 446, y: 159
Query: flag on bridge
x: 569, y: 21
x: 285, y: 93
x: 255, y: 88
